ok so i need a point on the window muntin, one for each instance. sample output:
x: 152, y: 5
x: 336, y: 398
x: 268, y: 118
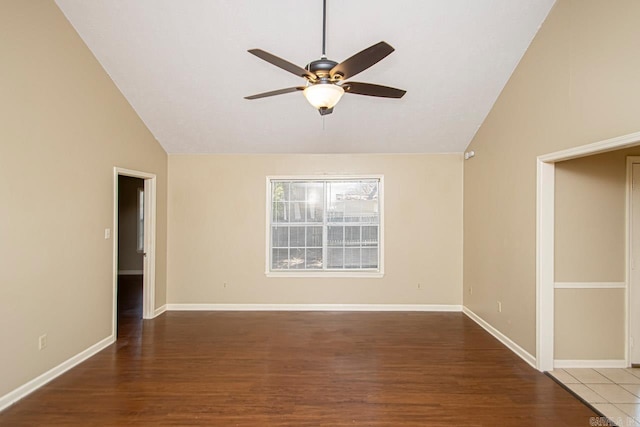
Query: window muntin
x: 322, y: 225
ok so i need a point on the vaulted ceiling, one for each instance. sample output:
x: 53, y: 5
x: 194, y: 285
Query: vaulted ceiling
x: 184, y: 67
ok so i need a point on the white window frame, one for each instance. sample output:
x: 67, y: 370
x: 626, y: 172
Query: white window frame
x: 378, y: 273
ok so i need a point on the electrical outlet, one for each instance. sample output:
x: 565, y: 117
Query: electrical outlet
x: 42, y: 341
x: 107, y: 233
x: 470, y: 290
x: 499, y: 307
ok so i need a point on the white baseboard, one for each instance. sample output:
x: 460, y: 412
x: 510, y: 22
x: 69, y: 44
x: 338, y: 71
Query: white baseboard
x: 313, y: 307
x: 608, y: 363
x: 22, y: 391
x: 158, y: 311
x: 130, y: 272
x: 524, y: 355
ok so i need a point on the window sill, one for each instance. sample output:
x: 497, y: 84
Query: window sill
x: 326, y: 274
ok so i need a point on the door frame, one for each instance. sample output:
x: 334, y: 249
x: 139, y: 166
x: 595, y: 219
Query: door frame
x: 631, y: 160
x: 149, y: 260
x: 545, y: 239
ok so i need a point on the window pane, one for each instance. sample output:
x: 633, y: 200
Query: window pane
x: 335, y: 212
x: 296, y: 237
x: 369, y: 257
x: 298, y: 191
x: 280, y: 237
x: 352, y: 236
x: 315, y: 201
x: 314, y: 237
x: 280, y: 191
x: 353, y: 201
x: 352, y: 210
x: 279, y: 259
x: 352, y: 258
x: 314, y: 258
x: 335, y: 256
x: 315, y: 212
x: 280, y: 212
x: 296, y: 260
x: 296, y: 211
x: 335, y: 236
x: 369, y: 235
x: 335, y: 203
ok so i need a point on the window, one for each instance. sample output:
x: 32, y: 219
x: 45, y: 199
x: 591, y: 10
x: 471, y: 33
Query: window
x: 324, y: 225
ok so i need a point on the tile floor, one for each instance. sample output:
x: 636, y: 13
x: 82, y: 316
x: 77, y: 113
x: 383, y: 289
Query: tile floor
x: 614, y: 392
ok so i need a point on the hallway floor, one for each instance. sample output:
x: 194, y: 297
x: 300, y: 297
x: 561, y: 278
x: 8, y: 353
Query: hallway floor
x: 614, y: 392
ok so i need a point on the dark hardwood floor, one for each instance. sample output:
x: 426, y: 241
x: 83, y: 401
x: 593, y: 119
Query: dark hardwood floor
x: 129, y: 306
x: 302, y: 369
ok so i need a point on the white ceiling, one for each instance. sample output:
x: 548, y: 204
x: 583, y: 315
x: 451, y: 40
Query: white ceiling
x: 184, y: 67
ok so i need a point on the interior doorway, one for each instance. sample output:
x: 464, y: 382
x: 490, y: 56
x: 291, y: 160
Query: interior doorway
x: 130, y: 253
x: 545, y: 239
x: 134, y: 201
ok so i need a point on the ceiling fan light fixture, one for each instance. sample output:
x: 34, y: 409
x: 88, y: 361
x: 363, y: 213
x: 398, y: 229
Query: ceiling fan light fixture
x: 323, y: 95
x: 327, y: 80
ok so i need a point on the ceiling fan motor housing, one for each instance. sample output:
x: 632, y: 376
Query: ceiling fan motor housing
x: 322, y: 67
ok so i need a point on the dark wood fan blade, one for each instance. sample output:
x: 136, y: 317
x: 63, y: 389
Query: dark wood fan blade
x: 370, y: 89
x: 275, y: 92
x: 361, y: 60
x: 281, y: 63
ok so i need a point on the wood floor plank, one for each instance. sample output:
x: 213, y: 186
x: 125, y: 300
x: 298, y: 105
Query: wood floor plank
x: 302, y: 369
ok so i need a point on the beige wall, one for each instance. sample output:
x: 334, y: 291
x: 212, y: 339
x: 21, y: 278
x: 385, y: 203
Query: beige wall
x: 589, y: 324
x: 590, y: 217
x: 217, y: 230
x: 578, y: 83
x: 64, y: 127
x: 589, y: 222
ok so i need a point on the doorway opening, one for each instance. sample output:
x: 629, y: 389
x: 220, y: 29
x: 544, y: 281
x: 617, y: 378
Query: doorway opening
x: 133, y: 250
x: 545, y: 241
x: 130, y: 253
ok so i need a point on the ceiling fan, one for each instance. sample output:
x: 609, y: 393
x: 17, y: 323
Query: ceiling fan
x: 326, y: 78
